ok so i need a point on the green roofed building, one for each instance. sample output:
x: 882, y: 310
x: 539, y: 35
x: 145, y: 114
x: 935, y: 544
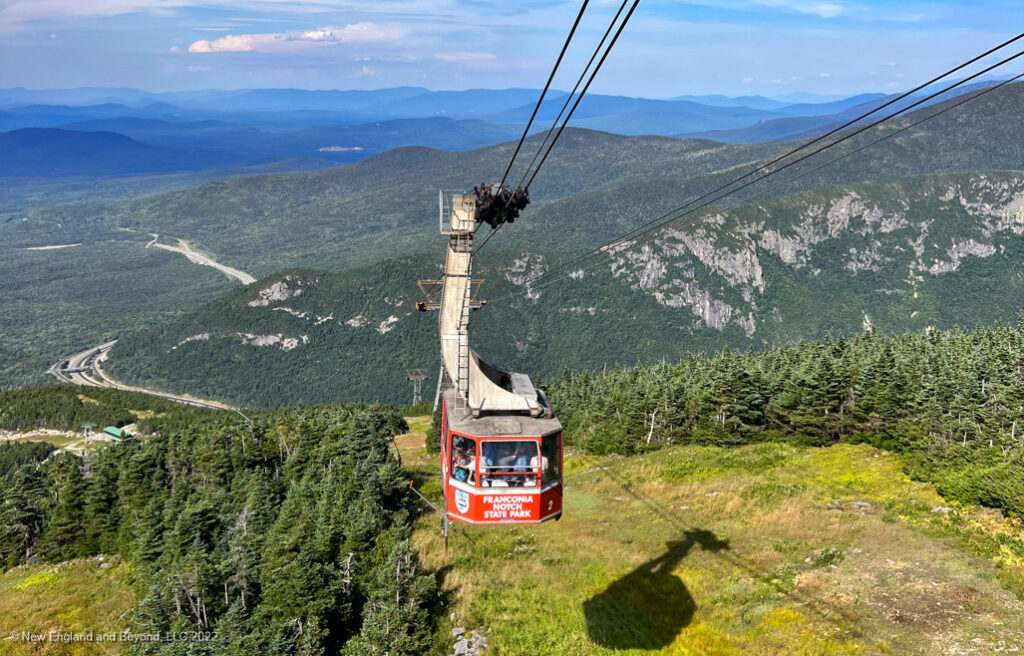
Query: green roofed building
x: 117, y: 434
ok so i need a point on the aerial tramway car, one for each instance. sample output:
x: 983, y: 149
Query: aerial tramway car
x: 501, y: 444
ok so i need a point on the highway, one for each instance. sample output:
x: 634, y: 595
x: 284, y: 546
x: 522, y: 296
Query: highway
x: 84, y: 369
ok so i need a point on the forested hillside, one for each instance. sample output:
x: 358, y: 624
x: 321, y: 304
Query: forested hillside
x: 289, y: 535
x: 939, y: 251
x: 594, y: 187
x: 65, y: 407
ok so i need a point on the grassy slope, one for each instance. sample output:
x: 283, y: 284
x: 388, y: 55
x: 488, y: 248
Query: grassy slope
x: 73, y: 597
x: 757, y: 550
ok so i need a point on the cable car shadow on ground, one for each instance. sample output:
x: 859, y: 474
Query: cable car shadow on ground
x: 647, y: 608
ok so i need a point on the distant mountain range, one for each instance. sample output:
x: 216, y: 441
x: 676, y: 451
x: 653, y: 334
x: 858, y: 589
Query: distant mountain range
x: 357, y: 218
x: 205, y: 130
x: 53, y: 152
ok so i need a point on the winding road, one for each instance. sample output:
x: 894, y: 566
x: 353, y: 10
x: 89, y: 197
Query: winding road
x: 84, y: 368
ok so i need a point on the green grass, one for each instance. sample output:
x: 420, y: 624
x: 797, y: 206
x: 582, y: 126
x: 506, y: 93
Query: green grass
x: 79, y: 596
x: 764, y: 549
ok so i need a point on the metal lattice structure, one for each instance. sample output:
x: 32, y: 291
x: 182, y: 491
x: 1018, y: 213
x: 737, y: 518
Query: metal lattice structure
x: 417, y: 376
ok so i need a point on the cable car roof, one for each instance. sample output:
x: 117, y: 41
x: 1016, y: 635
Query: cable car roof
x: 503, y: 425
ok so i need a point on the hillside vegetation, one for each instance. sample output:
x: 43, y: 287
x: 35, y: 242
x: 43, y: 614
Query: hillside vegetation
x: 930, y: 251
x: 60, y: 301
x: 287, y: 535
x: 65, y: 407
x: 949, y: 402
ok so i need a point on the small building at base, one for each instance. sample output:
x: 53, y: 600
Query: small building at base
x: 116, y: 434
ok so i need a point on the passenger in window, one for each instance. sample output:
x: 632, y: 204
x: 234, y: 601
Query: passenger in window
x: 506, y: 457
x: 537, y: 462
x: 521, y: 457
x: 464, y: 467
x: 489, y: 462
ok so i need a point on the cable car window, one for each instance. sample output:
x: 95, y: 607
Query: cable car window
x: 551, y: 458
x: 508, y: 463
x: 464, y: 459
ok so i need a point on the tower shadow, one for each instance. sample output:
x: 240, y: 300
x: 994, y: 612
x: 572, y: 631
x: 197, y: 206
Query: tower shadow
x: 647, y: 608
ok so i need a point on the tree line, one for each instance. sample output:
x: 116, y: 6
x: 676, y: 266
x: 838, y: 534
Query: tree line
x: 951, y: 402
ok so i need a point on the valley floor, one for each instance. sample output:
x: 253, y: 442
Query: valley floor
x: 763, y: 549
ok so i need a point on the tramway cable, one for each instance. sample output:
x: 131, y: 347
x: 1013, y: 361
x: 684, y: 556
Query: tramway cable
x: 572, y: 93
x: 540, y: 101
x: 525, y: 188
x: 668, y: 217
x: 967, y: 99
x: 597, y: 68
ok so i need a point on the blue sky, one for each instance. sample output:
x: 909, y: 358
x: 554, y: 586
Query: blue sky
x: 670, y: 48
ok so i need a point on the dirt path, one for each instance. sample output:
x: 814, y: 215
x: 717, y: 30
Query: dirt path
x: 194, y: 256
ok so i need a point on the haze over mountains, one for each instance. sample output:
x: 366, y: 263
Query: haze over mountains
x: 832, y: 251
x: 194, y: 131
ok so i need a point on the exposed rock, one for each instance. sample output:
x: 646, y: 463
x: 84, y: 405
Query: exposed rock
x: 284, y: 343
x: 957, y: 252
x: 301, y: 315
x: 524, y: 271
x: 714, y: 312
x: 387, y: 325
x: 201, y: 337
x: 279, y: 291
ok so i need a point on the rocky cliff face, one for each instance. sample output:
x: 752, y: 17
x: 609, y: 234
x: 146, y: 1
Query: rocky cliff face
x: 923, y: 227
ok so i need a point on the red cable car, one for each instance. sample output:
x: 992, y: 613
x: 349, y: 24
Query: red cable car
x: 501, y: 445
x: 500, y: 469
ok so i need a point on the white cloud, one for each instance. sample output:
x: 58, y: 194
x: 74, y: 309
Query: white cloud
x: 823, y: 9
x: 198, y: 69
x: 173, y: 49
x: 464, y: 57
x: 748, y: 80
x: 282, y: 41
x: 365, y: 71
x: 824, y: 75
